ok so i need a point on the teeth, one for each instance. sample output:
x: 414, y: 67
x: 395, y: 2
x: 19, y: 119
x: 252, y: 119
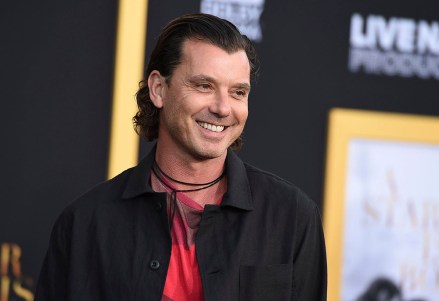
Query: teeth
x: 211, y: 127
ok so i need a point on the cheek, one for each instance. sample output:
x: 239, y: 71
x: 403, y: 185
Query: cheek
x: 174, y: 108
x: 241, y: 112
x: 188, y: 103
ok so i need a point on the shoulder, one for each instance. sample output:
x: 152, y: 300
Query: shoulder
x: 104, y: 195
x: 278, y: 190
x: 258, y: 175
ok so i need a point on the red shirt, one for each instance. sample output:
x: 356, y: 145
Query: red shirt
x: 183, y: 281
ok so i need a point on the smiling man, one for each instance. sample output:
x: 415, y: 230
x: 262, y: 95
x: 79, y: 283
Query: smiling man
x: 191, y: 221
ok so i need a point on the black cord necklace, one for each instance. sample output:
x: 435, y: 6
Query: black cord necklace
x: 160, y: 174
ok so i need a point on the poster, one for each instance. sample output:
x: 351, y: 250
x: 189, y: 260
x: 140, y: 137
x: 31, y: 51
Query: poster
x: 391, y: 233
x: 381, y: 206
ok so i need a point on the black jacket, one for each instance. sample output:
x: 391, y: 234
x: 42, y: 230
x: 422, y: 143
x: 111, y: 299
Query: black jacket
x: 264, y: 242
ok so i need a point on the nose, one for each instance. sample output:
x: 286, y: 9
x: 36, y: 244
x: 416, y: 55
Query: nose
x: 221, y: 105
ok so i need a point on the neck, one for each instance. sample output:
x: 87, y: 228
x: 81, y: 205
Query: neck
x: 189, y: 169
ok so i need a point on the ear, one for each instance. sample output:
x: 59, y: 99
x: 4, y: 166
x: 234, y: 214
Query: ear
x: 156, y: 85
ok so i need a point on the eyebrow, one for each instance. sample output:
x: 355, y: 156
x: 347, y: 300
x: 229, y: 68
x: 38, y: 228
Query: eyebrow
x: 244, y: 86
x: 202, y: 77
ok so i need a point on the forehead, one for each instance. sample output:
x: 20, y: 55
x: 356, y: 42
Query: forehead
x: 202, y: 56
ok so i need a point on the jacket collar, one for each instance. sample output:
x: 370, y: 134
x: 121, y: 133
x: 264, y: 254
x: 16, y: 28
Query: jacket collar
x: 238, y: 188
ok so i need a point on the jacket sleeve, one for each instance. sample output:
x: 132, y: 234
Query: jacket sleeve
x: 309, y: 271
x: 53, y: 279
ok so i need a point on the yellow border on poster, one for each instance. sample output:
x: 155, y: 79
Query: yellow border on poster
x: 128, y: 71
x: 344, y: 125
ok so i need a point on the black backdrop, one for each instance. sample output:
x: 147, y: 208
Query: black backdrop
x: 56, y: 84
x: 56, y: 74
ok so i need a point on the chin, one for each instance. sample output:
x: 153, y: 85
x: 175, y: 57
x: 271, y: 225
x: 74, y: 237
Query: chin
x: 209, y: 153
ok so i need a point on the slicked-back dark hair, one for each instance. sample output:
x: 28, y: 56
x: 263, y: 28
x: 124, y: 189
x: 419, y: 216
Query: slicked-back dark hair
x: 167, y: 53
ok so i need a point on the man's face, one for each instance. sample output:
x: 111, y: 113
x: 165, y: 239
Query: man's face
x: 205, y: 102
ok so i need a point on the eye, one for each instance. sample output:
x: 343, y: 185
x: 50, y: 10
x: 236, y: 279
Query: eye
x: 204, y: 86
x: 240, y: 94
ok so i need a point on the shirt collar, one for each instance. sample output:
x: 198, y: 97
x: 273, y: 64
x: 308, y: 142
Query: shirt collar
x: 238, y: 189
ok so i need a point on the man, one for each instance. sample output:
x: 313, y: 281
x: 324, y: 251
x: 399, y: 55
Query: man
x: 191, y: 221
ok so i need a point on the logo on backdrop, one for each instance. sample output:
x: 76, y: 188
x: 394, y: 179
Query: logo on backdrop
x: 245, y: 14
x: 394, y: 46
x: 13, y: 284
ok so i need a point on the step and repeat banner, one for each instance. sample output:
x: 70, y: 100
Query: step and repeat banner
x: 58, y: 78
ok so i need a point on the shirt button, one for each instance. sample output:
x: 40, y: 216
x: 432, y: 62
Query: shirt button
x: 154, y: 264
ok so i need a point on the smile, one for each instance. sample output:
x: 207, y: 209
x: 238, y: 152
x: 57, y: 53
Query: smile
x: 211, y: 127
